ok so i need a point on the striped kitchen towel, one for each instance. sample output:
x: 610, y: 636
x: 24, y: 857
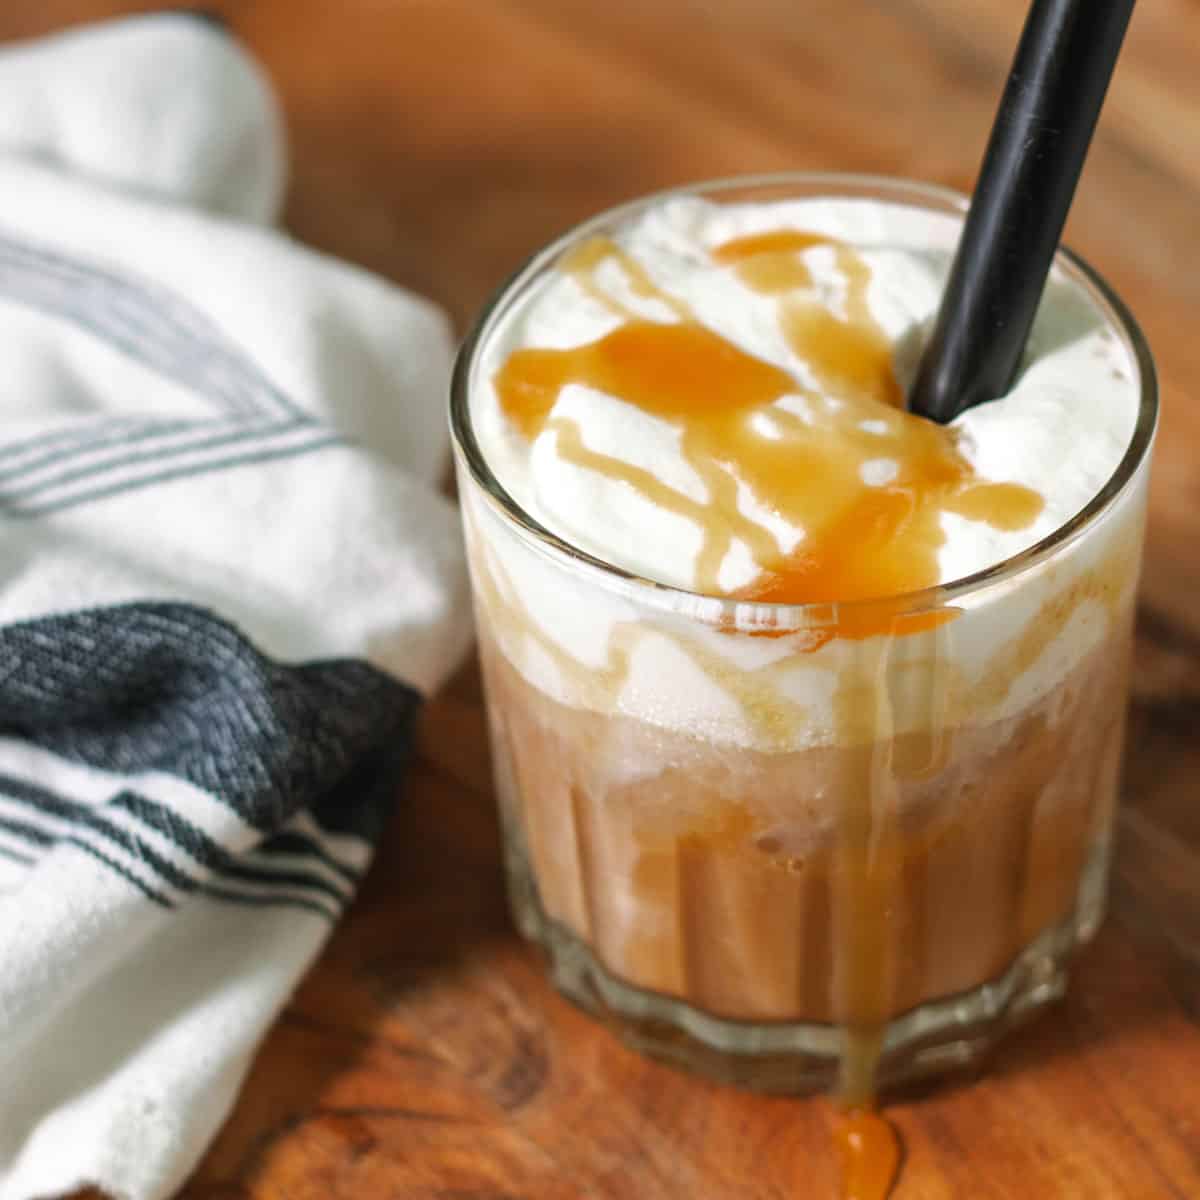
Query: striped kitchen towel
x: 226, y: 580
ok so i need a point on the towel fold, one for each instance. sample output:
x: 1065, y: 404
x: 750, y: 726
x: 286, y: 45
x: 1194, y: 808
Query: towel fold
x: 227, y: 580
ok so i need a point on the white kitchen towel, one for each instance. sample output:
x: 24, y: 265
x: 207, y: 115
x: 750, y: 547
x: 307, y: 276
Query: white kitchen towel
x: 226, y: 579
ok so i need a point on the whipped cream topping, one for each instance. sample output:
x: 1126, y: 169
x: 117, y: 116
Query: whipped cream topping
x: 1060, y: 431
x: 623, y: 480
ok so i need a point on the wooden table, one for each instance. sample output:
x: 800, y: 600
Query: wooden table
x: 438, y: 141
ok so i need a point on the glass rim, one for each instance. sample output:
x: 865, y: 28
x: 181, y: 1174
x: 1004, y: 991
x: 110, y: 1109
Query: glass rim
x: 765, y: 613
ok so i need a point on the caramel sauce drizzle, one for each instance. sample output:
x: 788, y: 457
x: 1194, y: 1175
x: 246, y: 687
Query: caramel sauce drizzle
x: 861, y: 541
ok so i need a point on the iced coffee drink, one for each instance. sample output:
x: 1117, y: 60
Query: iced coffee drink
x: 806, y: 712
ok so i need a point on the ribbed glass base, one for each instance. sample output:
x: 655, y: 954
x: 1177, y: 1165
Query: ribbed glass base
x: 940, y: 1036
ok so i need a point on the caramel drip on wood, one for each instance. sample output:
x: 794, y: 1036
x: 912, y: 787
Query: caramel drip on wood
x: 869, y: 1151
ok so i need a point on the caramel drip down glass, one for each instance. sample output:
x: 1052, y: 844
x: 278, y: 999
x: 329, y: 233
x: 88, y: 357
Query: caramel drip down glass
x: 844, y: 907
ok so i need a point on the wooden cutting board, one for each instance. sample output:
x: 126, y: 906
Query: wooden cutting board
x: 439, y: 141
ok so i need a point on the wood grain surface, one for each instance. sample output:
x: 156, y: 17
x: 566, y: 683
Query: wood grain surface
x: 439, y: 141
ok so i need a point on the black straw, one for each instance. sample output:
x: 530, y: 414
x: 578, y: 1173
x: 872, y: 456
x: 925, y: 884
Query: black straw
x: 1039, y: 140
